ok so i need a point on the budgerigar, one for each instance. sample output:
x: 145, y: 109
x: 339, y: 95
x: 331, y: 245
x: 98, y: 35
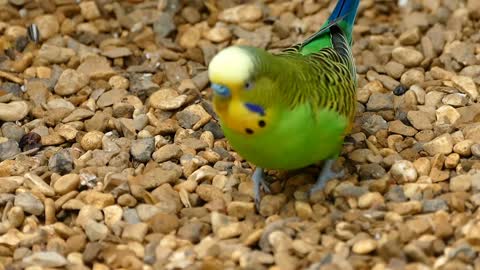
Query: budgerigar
x: 291, y: 109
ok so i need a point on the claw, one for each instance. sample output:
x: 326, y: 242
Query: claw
x: 326, y: 175
x: 259, y: 182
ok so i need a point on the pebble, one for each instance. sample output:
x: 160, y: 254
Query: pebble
x: 466, y: 85
x: 8, y: 149
x: 54, y: 54
x: 442, y: 144
x: 167, y: 152
x: 463, y: 148
x: 419, y: 120
x: 13, y: 111
x: 47, y: 259
x: 399, y: 127
x: 70, y: 82
x: 364, y: 246
x: 12, y: 131
x: 96, y: 67
x: 29, y: 203
x: 379, y: 101
x: 135, y: 232
x: 61, y: 162
x: 92, y: 140
x: 89, y: 10
x: 447, y: 114
x: 460, y: 183
x: 407, y: 56
x: 36, y: 183
x: 48, y: 26
x: 95, y: 231
x: 241, y: 13
x: 142, y: 149
x: 66, y: 183
x: 403, y: 171
x: 164, y: 223
x: 370, y: 199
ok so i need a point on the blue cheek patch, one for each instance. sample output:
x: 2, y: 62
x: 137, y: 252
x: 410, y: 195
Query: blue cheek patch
x: 221, y: 90
x: 255, y: 108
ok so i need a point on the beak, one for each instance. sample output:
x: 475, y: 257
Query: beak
x: 221, y: 90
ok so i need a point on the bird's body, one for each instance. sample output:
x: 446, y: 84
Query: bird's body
x: 291, y: 109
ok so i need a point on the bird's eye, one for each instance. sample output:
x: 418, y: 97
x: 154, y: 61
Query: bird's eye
x: 249, y: 85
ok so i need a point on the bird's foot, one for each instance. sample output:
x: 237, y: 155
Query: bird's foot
x: 326, y: 175
x: 259, y: 182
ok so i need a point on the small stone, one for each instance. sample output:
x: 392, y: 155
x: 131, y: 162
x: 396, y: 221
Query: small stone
x: 411, y: 77
x: 370, y: 199
x: 118, y: 82
x: 96, y: 67
x: 61, y: 162
x: 364, y: 246
x: 434, y: 205
x: 92, y: 140
x: 156, y: 177
x: 394, y: 69
x: 13, y: 111
x: 46, y: 259
x: 218, y: 34
x: 97, y: 199
x: 240, y: 209
x: 464, y: 148
x: 135, y: 232
x: 116, y: 52
x: 193, y: 117
x: 70, y: 82
x: 12, y: 131
x: 34, y: 182
x: 403, y: 171
x: 440, y: 145
x: 10, y: 183
x: 379, y: 101
x: 89, y: 10
x: 209, y: 193
x: 164, y: 223
x: 405, y: 208
x: 167, y: 152
x: 8, y: 149
x: 190, y: 38
x: 142, y: 149
x: 466, y: 85
x: 193, y: 231
x: 419, y: 120
x: 452, y: 160
x: 410, y: 37
x: 66, y: 183
x: 96, y: 231
x: 475, y: 150
x: 455, y: 99
x: 399, y: 127
x: 29, y: 203
x: 460, y: 183
x: 241, y: 13
x: 407, y: 56
x: 48, y: 26
x: 303, y: 209
x: 271, y: 204
x: 51, y: 54
x: 447, y: 114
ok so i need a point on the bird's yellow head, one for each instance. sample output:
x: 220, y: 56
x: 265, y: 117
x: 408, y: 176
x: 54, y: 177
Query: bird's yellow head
x: 234, y: 77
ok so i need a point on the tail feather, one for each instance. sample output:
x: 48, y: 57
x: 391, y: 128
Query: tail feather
x: 346, y: 10
x: 343, y: 16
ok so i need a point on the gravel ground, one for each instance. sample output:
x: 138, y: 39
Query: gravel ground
x: 111, y: 156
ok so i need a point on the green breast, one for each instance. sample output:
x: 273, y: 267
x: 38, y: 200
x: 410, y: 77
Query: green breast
x: 294, y: 139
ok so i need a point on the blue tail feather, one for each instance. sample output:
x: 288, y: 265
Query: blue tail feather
x: 346, y: 10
